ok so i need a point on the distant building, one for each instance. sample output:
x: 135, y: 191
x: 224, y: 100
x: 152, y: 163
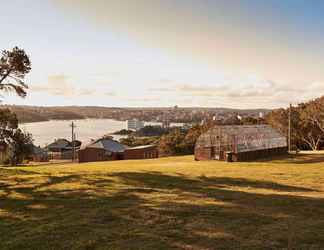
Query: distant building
x: 166, y: 124
x: 240, y: 143
x: 59, y: 145
x: 62, y: 149
x: 135, y: 124
x: 107, y: 149
x: 39, y: 154
x: 103, y: 149
x: 141, y: 152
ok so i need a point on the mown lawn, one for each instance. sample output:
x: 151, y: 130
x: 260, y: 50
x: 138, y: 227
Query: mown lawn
x: 171, y: 203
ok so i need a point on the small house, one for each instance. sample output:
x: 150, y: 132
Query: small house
x: 59, y: 145
x: 62, y: 149
x: 103, y: 149
x: 39, y: 154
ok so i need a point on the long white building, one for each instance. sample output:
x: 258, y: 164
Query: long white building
x: 135, y: 124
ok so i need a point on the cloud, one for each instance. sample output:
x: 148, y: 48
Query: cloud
x: 160, y: 89
x: 228, y: 91
x: 260, y: 93
x: 110, y: 93
x: 58, y: 86
x: 202, y: 90
x: 144, y: 99
x: 86, y: 92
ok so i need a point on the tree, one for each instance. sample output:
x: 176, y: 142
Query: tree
x: 173, y: 144
x: 193, y: 135
x: 314, y: 113
x: 311, y: 123
x: 278, y: 119
x: 14, y: 65
x: 19, y: 143
x: 307, y: 123
x: 21, y: 147
x: 8, y: 125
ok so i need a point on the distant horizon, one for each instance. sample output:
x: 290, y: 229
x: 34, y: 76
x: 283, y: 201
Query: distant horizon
x: 129, y: 107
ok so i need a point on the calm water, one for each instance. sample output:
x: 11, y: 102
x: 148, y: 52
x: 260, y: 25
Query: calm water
x: 46, y: 132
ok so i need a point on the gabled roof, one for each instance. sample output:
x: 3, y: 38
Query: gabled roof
x: 60, y: 143
x: 106, y: 143
x: 141, y: 147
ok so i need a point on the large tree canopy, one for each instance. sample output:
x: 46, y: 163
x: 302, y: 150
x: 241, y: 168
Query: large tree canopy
x: 14, y: 65
x: 307, y: 123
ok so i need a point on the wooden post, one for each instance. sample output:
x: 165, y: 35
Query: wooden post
x: 289, y: 128
x: 73, y: 140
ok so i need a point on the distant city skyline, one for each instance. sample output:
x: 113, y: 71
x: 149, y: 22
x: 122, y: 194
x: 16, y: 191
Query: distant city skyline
x: 162, y: 53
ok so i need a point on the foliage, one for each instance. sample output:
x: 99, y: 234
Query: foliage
x: 21, y: 147
x: 192, y: 136
x: 233, y: 120
x: 123, y: 132
x: 307, y: 123
x: 14, y: 65
x: 182, y: 142
x: 249, y: 120
x: 152, y: 131
x: 133, y: 141
x: 173, y: 144
x: 8, y: 124
x: 19, y: 143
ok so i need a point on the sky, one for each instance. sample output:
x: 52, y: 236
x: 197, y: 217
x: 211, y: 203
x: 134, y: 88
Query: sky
x: 161, y: 53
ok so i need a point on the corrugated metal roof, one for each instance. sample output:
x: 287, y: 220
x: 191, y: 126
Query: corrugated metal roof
x: 142, y: 147
x: 107, y: 144
x: 242, y: 138
x: 59, y: 143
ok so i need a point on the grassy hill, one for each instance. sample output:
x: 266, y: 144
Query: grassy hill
x: 170, y: 203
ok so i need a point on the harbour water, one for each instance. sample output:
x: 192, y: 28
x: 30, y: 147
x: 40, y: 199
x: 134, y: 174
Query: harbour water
x: 46, y: 132
x: 87, y: 129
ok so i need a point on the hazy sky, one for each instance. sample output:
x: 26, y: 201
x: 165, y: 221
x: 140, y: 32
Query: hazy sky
x: 233, y: 53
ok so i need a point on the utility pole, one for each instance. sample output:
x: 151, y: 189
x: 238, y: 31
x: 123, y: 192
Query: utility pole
x: 289, y: 128
x: 73, y: 140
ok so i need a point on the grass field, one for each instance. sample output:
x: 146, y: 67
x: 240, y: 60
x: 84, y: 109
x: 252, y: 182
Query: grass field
x: 170, y: 203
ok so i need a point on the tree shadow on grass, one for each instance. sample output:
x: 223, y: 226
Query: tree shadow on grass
x: 294, y: 159
x: 150, y: 210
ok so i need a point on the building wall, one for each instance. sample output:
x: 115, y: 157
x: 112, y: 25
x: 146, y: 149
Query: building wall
x: 40, y: 158
x: 244, y: 143
x: 259, y: 154
x: 65, y: 155
x: 142, y: 153
x: 135, y: 124
x: 91, y: 155
x: 203, y: 154
x: 98, y: 154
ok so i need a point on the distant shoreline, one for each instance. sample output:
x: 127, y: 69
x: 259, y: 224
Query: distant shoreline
x: 86, y: 118
x: 30, y: 114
